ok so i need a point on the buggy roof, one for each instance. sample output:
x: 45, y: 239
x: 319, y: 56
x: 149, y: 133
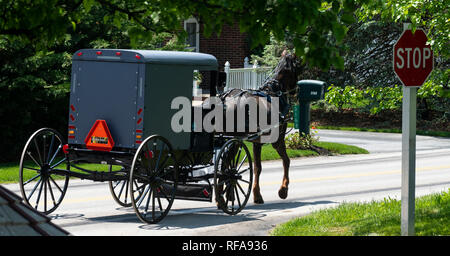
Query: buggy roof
x: 201, y: 60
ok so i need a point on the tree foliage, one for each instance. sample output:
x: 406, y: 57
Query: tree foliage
x: 429, y: 14
x: 317, y: 27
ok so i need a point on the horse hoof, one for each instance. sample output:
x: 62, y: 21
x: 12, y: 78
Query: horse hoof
x: 258, y: 200
x: 220, y: 203
x: 283, y: 193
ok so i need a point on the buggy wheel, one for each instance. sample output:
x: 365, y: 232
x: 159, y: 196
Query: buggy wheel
x: 43, y: 170
x: 119, y: 188
x: 153, y: 179
x: 233, y: 176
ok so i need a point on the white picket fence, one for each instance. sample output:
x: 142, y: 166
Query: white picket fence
x: 249, y: 77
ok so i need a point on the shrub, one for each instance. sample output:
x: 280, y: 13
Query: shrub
x: 301, y: 141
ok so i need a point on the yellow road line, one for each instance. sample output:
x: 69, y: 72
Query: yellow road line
x: 335, y: 177
x: 357, y: 175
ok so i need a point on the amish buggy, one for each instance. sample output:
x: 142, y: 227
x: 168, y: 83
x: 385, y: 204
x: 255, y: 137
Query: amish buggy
x: 120, y: 116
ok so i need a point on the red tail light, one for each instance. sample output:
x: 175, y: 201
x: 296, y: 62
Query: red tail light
x: 65, y: 149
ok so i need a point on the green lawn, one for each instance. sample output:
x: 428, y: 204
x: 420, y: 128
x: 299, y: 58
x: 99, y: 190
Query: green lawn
x: 9, y: 172
x: 380, y: 218
x: 269, y: 153
x: 359, y: 129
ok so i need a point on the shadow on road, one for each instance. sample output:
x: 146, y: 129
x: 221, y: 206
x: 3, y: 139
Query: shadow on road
x: 214, y: 217
x: 198, y: 217
x: 193, y: 218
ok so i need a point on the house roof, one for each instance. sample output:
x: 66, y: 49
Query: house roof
x: 201, y: 60
x: 18, y: 219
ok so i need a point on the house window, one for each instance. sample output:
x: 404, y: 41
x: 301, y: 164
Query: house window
x: 192, y: 28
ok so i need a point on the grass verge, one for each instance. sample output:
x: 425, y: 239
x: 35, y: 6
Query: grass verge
x: 9, y: 172
x: 269, y: 153
x: 380, y: 218
x: 358, y: 129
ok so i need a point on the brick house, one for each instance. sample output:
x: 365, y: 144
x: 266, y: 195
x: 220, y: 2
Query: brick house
x: 232, y: 45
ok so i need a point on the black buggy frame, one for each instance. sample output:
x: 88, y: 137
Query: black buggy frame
x: 127, y: 94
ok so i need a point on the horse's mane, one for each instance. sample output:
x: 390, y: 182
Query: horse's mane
x: 284, y: 75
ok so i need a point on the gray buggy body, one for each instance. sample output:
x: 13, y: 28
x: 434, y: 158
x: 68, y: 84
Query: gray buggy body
x: 132, y: 91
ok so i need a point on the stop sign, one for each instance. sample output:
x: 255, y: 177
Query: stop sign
x: 413, y: 59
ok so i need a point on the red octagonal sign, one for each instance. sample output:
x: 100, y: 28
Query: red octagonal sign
x: 413, y: 58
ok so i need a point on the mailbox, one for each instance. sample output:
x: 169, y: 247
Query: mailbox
x: 309, y: 91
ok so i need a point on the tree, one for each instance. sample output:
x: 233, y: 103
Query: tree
x: 318, y: 26
x: 432, y: 15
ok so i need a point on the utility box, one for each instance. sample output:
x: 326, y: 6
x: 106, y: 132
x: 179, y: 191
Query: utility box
x: 309, y: 91
x: 130, y: 93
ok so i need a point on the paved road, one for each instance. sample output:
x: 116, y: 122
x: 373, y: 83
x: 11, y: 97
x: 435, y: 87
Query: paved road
x: 316, y: 182
x: 376, y: 142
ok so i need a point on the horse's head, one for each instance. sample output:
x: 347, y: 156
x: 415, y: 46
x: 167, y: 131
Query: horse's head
x: 288, y: 71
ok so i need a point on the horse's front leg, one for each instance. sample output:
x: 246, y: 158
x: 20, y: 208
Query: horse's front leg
x: 280, y: 147
x: 257, y: 198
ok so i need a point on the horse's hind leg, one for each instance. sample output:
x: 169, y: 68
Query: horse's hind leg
x: 280, y: 147
x: 257, y: 198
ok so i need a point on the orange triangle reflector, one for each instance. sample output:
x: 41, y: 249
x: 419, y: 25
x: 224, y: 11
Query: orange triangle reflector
x: 99, y: 137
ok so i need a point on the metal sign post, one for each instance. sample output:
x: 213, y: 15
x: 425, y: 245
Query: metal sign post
x: 408, y: 160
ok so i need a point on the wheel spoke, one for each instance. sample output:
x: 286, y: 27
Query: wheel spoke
x: 34, y: 160
x: 148, y: 199
x: 138, y: 187
x: 30, y: 168
x: 161, y: 189
x: 50, y: 148
x: 241, y: 172
x: 38, y: 151
x: 153, y: 205
x: 240, y: 188
x: 58, y: 163
x: 159, y: 157
x: 116, y: 183
x: 242, y: 162
x: 126, y: 190
x: 45, y: 196
x: 159, y: 203
x: 237, y: 158
x: 56, y: 184
x: 34, y: 189
x: 54, y: 155
x: 121, y: 189
x: 51, y: 192
x: 246, y: 181
x: 143, y: 196
x: 30, y: 180
x: 39, y: 196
